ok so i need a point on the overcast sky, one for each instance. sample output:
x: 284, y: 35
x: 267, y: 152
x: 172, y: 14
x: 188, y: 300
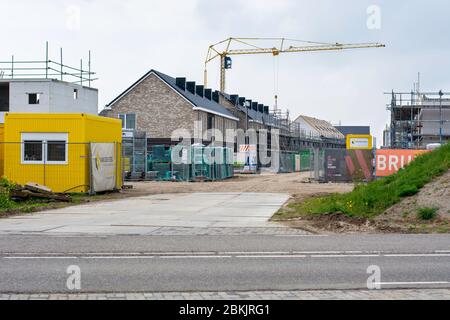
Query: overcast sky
x: 130, y: 37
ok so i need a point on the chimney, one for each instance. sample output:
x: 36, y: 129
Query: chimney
x: 190, y: 86
x: 255, y: 106
x: 181, y: 83
x: 260, y: 108
x: 241, y: 101
x: 266, y: 109
x: 215, y: 96
x: 234, y: 98
x: 200, y: 90
x: 208, y: 94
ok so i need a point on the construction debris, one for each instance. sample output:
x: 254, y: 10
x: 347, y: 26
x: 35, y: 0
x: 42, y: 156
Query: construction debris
x: 34, y: 190
x: 34, y: 187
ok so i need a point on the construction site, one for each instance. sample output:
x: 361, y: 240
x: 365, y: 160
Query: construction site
x: 418, y: 119
x: 170, y: 135
x: 158, y: 157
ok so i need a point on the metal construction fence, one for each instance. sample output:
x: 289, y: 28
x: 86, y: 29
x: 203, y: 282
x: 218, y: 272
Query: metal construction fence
x: 295, y: 161
x: 162, y: 163
x: 341, y: 165
x: 62, y: 166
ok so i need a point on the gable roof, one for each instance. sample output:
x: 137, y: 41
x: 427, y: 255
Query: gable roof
x: 198, y: 102
x: 346, y: 130
x: 322, y: 127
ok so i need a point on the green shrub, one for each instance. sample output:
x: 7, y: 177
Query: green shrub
x: 5, y: 202
x: 427, y: 213
x: 8, y: 185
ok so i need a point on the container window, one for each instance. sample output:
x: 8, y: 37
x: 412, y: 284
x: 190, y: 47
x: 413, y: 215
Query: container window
x: 34, y: 98
x: 45, y: 148
x: 56, y: 151
x: 32, y: 151
x: 75, y: 94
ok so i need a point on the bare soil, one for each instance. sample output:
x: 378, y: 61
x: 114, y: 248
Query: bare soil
x: 434, y: 195
x: 295, y: 184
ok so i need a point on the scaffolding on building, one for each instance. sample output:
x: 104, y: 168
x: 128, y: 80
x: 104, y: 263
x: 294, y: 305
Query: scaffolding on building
x: 48, y: 69
x: 419, y: 118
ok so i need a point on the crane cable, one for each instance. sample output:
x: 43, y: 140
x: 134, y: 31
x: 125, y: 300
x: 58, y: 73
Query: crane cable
x: 276, y: 78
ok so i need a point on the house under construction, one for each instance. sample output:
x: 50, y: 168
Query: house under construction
x: 418, y: 119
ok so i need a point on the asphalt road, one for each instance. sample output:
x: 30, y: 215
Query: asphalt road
x: 32, y: 264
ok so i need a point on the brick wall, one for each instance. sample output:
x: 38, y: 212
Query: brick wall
x: 160, y: 110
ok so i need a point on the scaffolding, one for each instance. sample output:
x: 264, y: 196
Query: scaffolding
x: 419, y: 118
x: 48, y: 69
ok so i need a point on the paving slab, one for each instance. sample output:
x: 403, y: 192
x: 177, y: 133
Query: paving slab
x: 154, y: 213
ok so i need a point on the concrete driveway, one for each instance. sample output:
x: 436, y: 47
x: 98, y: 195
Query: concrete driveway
x: 148, y: 214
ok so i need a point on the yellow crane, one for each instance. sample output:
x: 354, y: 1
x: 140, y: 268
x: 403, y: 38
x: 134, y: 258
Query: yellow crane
x: 224, y: 49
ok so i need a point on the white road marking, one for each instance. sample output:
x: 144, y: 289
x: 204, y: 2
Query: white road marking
x: 271, y: 256
x: 405, y: 255
x: 223, y: 255
x: 345, y: 255
x: 39, y: 258
x: 195, y: 257
x: 411, y: 283
x: 116, y: 257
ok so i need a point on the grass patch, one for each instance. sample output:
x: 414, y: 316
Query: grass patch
x: 369, y: 200
x: 8, y: 206
x: 427, y: 213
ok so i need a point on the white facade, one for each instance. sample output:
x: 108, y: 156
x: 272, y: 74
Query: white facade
x: 54, y: 97
x: 430, y: 117
x: 313, y: 127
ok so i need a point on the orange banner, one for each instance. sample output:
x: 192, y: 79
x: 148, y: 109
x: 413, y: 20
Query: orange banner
x: 389, y: 161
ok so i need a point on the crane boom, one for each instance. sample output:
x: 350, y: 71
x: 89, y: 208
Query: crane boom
x: 223, y: 50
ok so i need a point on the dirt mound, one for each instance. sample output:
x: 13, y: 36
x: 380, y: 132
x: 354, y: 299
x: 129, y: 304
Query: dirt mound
x: 434, y: 195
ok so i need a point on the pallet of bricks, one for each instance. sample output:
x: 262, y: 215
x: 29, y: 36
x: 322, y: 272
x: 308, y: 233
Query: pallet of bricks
x: 159, y: 163
x: 198, y: 163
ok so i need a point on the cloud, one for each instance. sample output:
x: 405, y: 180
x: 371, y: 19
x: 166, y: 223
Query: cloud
x: 129, y: 37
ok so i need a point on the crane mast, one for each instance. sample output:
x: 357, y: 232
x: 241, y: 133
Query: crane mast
x: 224, y: 50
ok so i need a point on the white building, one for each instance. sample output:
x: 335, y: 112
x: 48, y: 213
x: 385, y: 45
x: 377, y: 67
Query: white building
x: 432, y: 113
x: 316, y: 128
x: 46, y: 96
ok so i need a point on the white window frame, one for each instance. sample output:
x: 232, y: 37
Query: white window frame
x: 44, y: 137
x: 124, y: 124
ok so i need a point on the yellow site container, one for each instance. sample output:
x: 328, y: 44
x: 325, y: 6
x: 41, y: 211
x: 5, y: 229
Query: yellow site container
x: 68, y: 174
x: 2, y: 150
